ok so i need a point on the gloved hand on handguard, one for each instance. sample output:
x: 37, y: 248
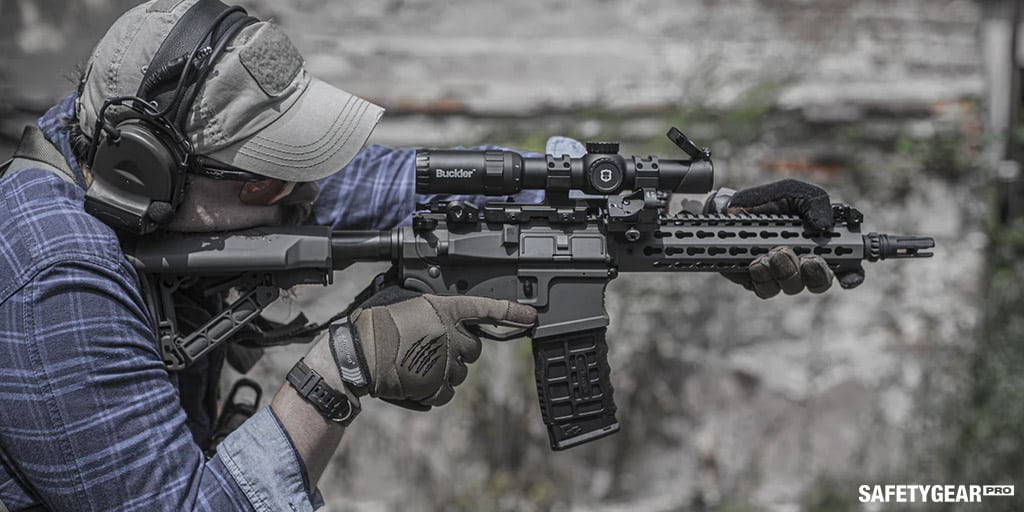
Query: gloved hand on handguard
x: 781, y: 268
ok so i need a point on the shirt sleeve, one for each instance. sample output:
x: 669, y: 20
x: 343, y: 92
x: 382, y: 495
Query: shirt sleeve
x: 91, y: 418
x: 377, y: 190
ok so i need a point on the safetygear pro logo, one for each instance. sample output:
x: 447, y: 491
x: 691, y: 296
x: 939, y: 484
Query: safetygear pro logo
x: 931, y: 493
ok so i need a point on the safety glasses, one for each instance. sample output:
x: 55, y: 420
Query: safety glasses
x: 256, y: 189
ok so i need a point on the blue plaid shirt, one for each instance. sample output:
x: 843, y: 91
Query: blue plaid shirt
x: 90, y: 418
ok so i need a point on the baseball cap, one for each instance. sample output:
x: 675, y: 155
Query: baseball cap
x: 259, y: 109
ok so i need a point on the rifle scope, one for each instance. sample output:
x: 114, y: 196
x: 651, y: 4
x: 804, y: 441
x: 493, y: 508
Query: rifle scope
x: 602, y: 171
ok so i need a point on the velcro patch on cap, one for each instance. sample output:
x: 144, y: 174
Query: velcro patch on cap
x: 272, y: 60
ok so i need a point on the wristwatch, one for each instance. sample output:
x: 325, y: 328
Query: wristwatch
x: 333, y: 404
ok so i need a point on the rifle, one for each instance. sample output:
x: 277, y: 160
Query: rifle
x: 557, y: 256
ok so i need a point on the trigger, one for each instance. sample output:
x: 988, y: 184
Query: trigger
x: 500, y: 332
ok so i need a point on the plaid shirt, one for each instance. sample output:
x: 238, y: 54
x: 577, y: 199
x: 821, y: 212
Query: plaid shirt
x: 90, y: 418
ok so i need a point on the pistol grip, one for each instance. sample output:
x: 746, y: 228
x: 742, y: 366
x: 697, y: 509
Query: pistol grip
x: 574, y: 387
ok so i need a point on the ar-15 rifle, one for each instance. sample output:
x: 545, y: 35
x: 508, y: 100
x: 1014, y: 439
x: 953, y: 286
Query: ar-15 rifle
x: 557, y: 256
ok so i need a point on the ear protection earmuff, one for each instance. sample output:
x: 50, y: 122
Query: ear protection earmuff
x: 139, y: 164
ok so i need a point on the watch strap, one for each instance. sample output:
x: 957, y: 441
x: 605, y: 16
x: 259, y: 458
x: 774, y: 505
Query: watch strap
x: 333, y: 404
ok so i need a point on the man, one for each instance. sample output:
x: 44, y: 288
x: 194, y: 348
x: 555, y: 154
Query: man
x: 90, y: 420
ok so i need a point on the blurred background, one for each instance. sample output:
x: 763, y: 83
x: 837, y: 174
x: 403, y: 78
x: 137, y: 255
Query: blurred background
x: 907, y: 109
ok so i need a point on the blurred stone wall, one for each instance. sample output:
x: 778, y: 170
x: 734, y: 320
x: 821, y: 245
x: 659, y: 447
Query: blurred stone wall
x: 459, y: 60
x: 727, y: 402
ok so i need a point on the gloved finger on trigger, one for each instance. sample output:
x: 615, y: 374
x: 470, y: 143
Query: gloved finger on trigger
x: 785, y: 269
x: 816, y: 274
x: 765, y: 286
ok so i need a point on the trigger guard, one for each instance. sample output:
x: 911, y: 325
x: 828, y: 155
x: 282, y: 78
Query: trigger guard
x: 416, y: 285
x: 501, y: 333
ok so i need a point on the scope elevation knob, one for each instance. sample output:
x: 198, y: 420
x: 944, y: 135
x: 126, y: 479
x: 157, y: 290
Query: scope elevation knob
x: 603, y: 148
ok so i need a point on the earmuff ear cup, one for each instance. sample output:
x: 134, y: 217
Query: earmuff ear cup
x: 140, y: 168
x: 138, y: 177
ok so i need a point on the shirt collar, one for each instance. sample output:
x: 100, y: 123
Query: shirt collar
x: 56, y: 126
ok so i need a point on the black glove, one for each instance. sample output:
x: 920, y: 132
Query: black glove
x: 781, y: 269
x: 413, y: 348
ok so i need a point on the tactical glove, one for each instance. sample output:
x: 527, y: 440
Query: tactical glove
x: 413, y: 348
x: 781, y: 269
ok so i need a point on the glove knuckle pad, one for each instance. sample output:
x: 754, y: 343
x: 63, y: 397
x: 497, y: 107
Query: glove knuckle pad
x: 816, y: 273
x: 766, y: 290
x: 760, y: 271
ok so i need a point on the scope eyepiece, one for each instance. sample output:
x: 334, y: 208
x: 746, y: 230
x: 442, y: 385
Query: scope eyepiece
x: 491, y: 173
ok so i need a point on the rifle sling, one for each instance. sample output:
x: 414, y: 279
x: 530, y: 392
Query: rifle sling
x: 35, y: 152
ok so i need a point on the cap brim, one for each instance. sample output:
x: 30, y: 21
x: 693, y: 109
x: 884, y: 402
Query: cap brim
x: 318, y: 135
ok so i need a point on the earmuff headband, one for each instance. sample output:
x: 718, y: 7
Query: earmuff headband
x: 139, y: 165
